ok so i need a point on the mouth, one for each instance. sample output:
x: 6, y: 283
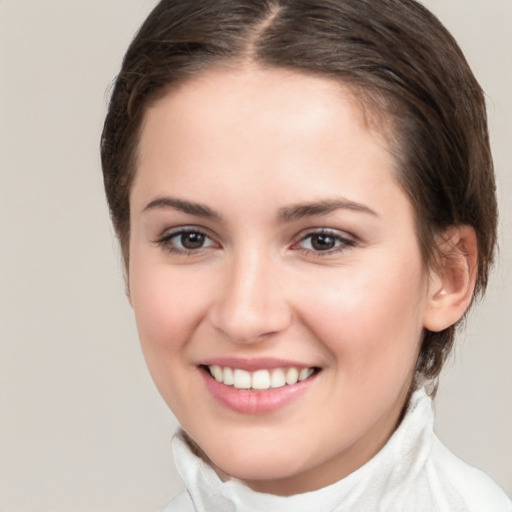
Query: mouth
x: 257, y: 386
x: 260, y: 379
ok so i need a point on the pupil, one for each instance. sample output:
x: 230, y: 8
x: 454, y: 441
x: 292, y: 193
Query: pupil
x: 192, y: 240
x: 322, y: 242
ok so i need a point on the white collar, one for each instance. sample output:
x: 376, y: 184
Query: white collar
x: 375, y: 484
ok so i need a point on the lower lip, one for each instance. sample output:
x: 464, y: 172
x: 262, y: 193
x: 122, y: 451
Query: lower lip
x: 247, y: 401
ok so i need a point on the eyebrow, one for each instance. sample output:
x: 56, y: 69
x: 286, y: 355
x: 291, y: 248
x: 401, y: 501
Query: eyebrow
x: 184, y: 206
x: 302, y: 210
x: 286, y: 214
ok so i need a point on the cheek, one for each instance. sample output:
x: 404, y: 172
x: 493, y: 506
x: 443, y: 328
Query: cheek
x: 167, y: 306
x: 371, y: 320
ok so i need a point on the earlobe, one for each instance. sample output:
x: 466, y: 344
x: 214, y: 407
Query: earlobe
x: 452, y: 281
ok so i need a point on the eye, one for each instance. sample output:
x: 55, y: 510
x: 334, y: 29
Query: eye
x: 324, y: 241
x: 185, y: 241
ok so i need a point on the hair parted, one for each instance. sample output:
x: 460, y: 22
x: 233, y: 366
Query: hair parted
x: 395, y: 57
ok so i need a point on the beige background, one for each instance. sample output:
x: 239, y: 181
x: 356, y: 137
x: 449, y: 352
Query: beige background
x: 81, y: 426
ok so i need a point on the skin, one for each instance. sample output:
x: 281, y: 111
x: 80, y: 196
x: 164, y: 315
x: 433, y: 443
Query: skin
x: 250, y: 145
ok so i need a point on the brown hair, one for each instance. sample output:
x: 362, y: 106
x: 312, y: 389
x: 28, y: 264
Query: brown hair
x: 394, y: 55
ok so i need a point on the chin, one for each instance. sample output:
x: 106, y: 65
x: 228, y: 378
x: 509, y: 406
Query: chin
x: 257, y: 470
x: 257, y: 463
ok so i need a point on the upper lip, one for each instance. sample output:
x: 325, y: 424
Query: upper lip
x: 253, y: 364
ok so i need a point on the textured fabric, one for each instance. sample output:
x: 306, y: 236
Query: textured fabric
x: 414, y: 472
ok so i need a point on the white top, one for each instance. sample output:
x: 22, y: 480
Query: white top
x: 414, y: 472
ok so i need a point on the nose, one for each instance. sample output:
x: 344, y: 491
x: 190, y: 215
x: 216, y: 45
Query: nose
x: 251, y: 305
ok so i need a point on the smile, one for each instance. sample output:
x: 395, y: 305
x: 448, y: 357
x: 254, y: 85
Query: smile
x: 261, y: 386
x: 259, y: 380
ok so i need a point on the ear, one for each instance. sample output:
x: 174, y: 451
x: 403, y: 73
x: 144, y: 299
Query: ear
x: 452, y: 281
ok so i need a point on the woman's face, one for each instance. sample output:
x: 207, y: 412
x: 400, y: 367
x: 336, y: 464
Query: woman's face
x: 270, y: 242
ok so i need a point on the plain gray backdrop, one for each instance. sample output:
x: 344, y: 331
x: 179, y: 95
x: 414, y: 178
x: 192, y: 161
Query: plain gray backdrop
x: 82, y: 428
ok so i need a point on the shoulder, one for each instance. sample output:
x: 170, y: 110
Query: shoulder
x: 453, y: 481
x: 181, y: 503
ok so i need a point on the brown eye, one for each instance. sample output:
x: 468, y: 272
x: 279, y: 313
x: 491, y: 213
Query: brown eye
x: 185, y: 241
x: 325, y: 242
x: 321, y: 242
x: 192, y: 240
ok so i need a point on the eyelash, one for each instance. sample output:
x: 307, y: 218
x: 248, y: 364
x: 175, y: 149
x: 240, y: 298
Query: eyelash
x: 166, y: 240
x: 343, y: 243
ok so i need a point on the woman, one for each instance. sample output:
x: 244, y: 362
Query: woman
x: 305, y: 201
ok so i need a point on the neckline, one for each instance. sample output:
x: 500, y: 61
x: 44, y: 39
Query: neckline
x: 401, y: 459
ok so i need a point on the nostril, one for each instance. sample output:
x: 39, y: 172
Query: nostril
x: 250, y: 305
x: 250, y: 328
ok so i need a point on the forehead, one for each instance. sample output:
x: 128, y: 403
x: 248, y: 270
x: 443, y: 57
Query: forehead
x: 272, y: 113
x: 247, y: 98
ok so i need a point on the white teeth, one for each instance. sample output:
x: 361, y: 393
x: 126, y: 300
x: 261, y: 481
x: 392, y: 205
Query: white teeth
x: 217, y: 373
x: 241, y: 379
x: 277, y: 380
x: 229, y: 378
x: 305, y: 373
x: 292, y: 376
x: 260, y: 379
